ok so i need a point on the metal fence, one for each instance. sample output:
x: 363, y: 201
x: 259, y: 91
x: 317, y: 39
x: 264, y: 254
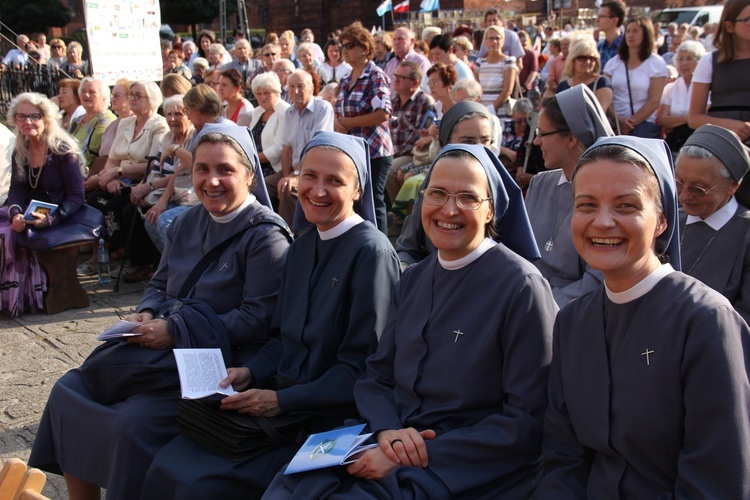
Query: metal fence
x: 30, y: 78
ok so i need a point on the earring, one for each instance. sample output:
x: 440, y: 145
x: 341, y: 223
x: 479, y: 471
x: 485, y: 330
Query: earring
x: 363, y: 53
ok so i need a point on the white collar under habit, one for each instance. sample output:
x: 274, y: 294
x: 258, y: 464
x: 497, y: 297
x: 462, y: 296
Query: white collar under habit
x: 718, y: 219
x: 224, y: 219
x: 341, y: 227
x: 452, y: 265
x: 641, y: 288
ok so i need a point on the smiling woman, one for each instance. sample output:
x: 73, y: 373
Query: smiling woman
x: 223, y: 301
x: 330, y: 312
x: 445, y: 429
x: 622, y: 386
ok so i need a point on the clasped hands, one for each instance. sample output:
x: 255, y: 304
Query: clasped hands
x: 402, y: 447
x: 19, y: 223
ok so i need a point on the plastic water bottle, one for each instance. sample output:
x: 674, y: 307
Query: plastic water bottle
x: 102, y: 258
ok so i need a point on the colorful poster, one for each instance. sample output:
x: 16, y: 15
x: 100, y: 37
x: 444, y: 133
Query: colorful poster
x: 124, y: 39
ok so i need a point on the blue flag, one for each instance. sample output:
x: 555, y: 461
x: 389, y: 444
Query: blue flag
x: 429, y: 5
x: 384, y: 7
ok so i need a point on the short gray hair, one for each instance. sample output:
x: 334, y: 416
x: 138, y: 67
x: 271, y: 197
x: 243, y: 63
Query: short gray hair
x: 268, y: 80
x: 103, y: 88
x: 700, y: 153
x: 153, y: 92
x: 696, y: 49
x: 177, y: 100
x: 523, y: 106
x: 287, y: 64
x: 472, y: 87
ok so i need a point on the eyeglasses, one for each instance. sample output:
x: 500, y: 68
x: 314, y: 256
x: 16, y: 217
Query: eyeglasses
x: 270, y: 54
x: 697, y: 191
x: 586, y: 58
x: 21, y: 118
x: 541, y: 134
x: 744, y: 20
x: 136, y: 96
x: 349, y: 45
x: 56, y: 46
x: 438, y: 197
x: 399, y: 77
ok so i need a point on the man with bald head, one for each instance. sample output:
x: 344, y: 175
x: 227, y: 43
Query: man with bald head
x: 306, y: 115
x: 403, y: 50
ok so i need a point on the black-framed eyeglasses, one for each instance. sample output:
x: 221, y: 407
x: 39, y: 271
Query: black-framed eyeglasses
x: 586, y: 58
x: 399, y: 77
x: 744, y: 20
x: 540, y: 134
x: 270, y: 54
x: 439, y: 197
x: 349, y: 45
x: 137, y: 96
x: 697, y: 191
x: 21, y: 118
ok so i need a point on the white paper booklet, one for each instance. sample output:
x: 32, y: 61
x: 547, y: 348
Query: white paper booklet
x: 327, y: 449
x: 201, y: 370
x: 120, y: 329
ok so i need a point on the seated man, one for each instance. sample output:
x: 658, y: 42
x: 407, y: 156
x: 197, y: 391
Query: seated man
x: 306, y: 115
x: 410, y: 107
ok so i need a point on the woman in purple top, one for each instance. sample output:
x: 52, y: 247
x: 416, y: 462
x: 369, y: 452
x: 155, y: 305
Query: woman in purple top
x: 45, y: 168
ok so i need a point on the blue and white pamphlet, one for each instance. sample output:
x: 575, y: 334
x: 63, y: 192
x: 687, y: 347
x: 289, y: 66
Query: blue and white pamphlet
x: 39, y: 207
x: 328, y: 449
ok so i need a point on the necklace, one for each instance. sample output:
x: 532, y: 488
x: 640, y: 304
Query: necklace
x: 551, y: 241
x: 35, y: 173
x: 700, y: 256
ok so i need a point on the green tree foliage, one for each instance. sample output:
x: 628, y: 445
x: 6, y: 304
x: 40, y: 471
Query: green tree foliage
x: 34, y: 16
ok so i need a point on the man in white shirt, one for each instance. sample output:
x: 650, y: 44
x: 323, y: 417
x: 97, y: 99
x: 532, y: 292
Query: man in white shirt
x: 306, y: 115
x: 18, y: 56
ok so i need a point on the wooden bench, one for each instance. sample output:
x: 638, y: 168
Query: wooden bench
x: 64, y: 291
x: 16, y: 479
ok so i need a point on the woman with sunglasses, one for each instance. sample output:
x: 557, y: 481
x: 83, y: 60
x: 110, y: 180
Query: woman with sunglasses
x: 45, y: 167
x: 363, y: 108
x: 583, y: 66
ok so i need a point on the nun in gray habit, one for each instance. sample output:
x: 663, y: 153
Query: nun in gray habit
x: 580, y: 120
x: 648, y: 390
x: 462, y: 361
x: 330, y: 312
x: 105, y: 421
x: 413, y: 245
x: 715, y: 225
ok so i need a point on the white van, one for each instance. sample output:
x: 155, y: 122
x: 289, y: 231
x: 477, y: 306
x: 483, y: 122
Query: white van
x: 694, y: 16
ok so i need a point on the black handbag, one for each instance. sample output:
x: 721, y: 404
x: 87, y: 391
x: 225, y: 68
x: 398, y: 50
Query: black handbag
x: 238, y: 436
x: 85, y: 224
x: 678, y: 137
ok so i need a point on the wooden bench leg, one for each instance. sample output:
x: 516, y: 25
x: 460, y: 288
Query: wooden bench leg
x: 64, y: 291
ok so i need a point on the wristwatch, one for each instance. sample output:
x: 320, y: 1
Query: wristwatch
x: 175, y: 148
x: 151, y: 185
x: 119, y: 171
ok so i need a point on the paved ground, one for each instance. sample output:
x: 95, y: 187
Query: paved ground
x: 35, y: 350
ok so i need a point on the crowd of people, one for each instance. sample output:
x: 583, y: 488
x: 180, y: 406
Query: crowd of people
x: 566, y: 292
